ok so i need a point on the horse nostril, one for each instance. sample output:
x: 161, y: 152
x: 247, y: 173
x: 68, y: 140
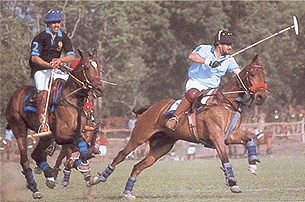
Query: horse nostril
x: 259, y: 99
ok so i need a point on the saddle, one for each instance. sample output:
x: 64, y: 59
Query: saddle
x: 30, y: 101
x: 202, y: 102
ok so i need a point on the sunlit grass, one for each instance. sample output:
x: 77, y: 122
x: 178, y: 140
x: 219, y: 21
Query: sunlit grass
x: 194, y: 180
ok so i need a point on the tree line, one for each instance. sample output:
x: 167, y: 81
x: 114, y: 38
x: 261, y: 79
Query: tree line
x: 143, y: 45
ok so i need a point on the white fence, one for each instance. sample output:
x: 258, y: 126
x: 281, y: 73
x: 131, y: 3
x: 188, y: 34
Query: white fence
x: 279, y: 129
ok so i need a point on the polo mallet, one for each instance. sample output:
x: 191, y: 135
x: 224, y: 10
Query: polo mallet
x: 295, y: 26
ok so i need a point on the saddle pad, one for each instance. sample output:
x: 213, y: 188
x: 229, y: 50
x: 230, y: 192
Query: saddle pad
x: 173, y: 107
x: 30, y: 100
x: 207, y: 95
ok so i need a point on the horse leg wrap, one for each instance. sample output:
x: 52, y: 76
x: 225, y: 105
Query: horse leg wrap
x: 66, y: 179
x: 49, y: 174
x: 48, y: 171
x: 106, y: 173
x: 83, y: 147
x: 56, y: 170
x: 83, y: 151
x: 30, y: 180
x: 129, y: 185
x: 252, y: 156
x: 83, y: 167
x: 227, y: 169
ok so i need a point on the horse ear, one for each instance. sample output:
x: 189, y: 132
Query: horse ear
x: 80, y: 52
x: 256, y: 60
x: 94, y: 53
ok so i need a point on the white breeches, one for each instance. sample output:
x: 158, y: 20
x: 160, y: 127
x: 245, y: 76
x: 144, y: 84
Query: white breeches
x: 42, y: 78
x: 193, y: 84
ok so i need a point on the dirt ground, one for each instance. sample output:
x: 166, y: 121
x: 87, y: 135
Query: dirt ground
x: 9, y: 188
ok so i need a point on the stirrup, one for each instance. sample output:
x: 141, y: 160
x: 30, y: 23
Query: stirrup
x: 43, y: 124
x: 172, y: 118
x: 50, y: 150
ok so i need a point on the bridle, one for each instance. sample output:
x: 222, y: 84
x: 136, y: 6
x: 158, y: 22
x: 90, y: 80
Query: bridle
x: 83, y: 85
x: 244, y: 89
x: 252, y: 89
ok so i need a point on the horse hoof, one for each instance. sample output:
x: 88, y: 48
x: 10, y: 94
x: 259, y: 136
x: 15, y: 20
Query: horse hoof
x: 129, y: 196
x: 94, y: 180
x: 252, y: 169
x: 37, y: 170
x: 37, y: 195
x: 88, y: 184
x: 50, y: 182
x: 101, y: 177
x: 235, y: 189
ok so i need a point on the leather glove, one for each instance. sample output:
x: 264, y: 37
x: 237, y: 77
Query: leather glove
x: 212, y: 63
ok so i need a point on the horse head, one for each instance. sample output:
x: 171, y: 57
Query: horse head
x: 253, y: 80
x: 88, y: 73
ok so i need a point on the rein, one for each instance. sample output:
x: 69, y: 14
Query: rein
x: 83, y: 86
x: 244, y: 89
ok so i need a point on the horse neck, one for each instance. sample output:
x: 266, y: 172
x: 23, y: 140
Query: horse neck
x: 231, y: 86
x: 73, y: 91
x: 232, y: 90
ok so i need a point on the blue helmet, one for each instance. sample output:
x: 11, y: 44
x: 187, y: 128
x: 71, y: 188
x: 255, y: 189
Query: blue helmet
x: 53, y: 16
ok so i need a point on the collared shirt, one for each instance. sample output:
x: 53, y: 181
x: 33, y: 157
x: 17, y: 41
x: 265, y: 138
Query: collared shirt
x: 46, y: 48
x: 206, y: 75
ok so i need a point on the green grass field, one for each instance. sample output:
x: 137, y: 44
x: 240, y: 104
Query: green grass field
x: 195, y: 180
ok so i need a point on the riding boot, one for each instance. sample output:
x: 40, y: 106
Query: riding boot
x: 185, y: 104
x: 41, y: 105
x: 174, y: 120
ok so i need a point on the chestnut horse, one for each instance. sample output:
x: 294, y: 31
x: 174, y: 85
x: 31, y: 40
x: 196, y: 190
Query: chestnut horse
x: 66, y: 121
x: 214, y: 124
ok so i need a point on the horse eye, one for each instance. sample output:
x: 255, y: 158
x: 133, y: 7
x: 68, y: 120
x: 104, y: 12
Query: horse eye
x: 94, y: 64
x: 251, y: 73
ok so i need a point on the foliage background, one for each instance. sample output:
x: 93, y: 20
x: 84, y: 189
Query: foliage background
x: 143, y: 45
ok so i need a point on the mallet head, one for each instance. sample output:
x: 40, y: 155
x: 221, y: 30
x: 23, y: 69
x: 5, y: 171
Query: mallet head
x: 295, y: 25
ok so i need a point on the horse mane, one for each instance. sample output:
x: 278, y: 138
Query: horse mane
x: 139, y: 110
x: 255, y: 63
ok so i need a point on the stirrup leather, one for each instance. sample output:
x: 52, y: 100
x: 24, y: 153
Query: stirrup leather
x: 176, y: 118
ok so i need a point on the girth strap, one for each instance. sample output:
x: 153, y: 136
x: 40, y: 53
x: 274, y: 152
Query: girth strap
x: 192, y: 125
x: 193, y: 129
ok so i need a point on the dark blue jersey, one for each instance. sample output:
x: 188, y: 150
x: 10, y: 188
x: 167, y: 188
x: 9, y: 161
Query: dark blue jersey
x: 46, y: 48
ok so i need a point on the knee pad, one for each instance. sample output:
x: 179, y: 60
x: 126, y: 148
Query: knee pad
x: 191, y: 94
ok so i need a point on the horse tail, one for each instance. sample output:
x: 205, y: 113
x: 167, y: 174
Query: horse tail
x: 139, y: 110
